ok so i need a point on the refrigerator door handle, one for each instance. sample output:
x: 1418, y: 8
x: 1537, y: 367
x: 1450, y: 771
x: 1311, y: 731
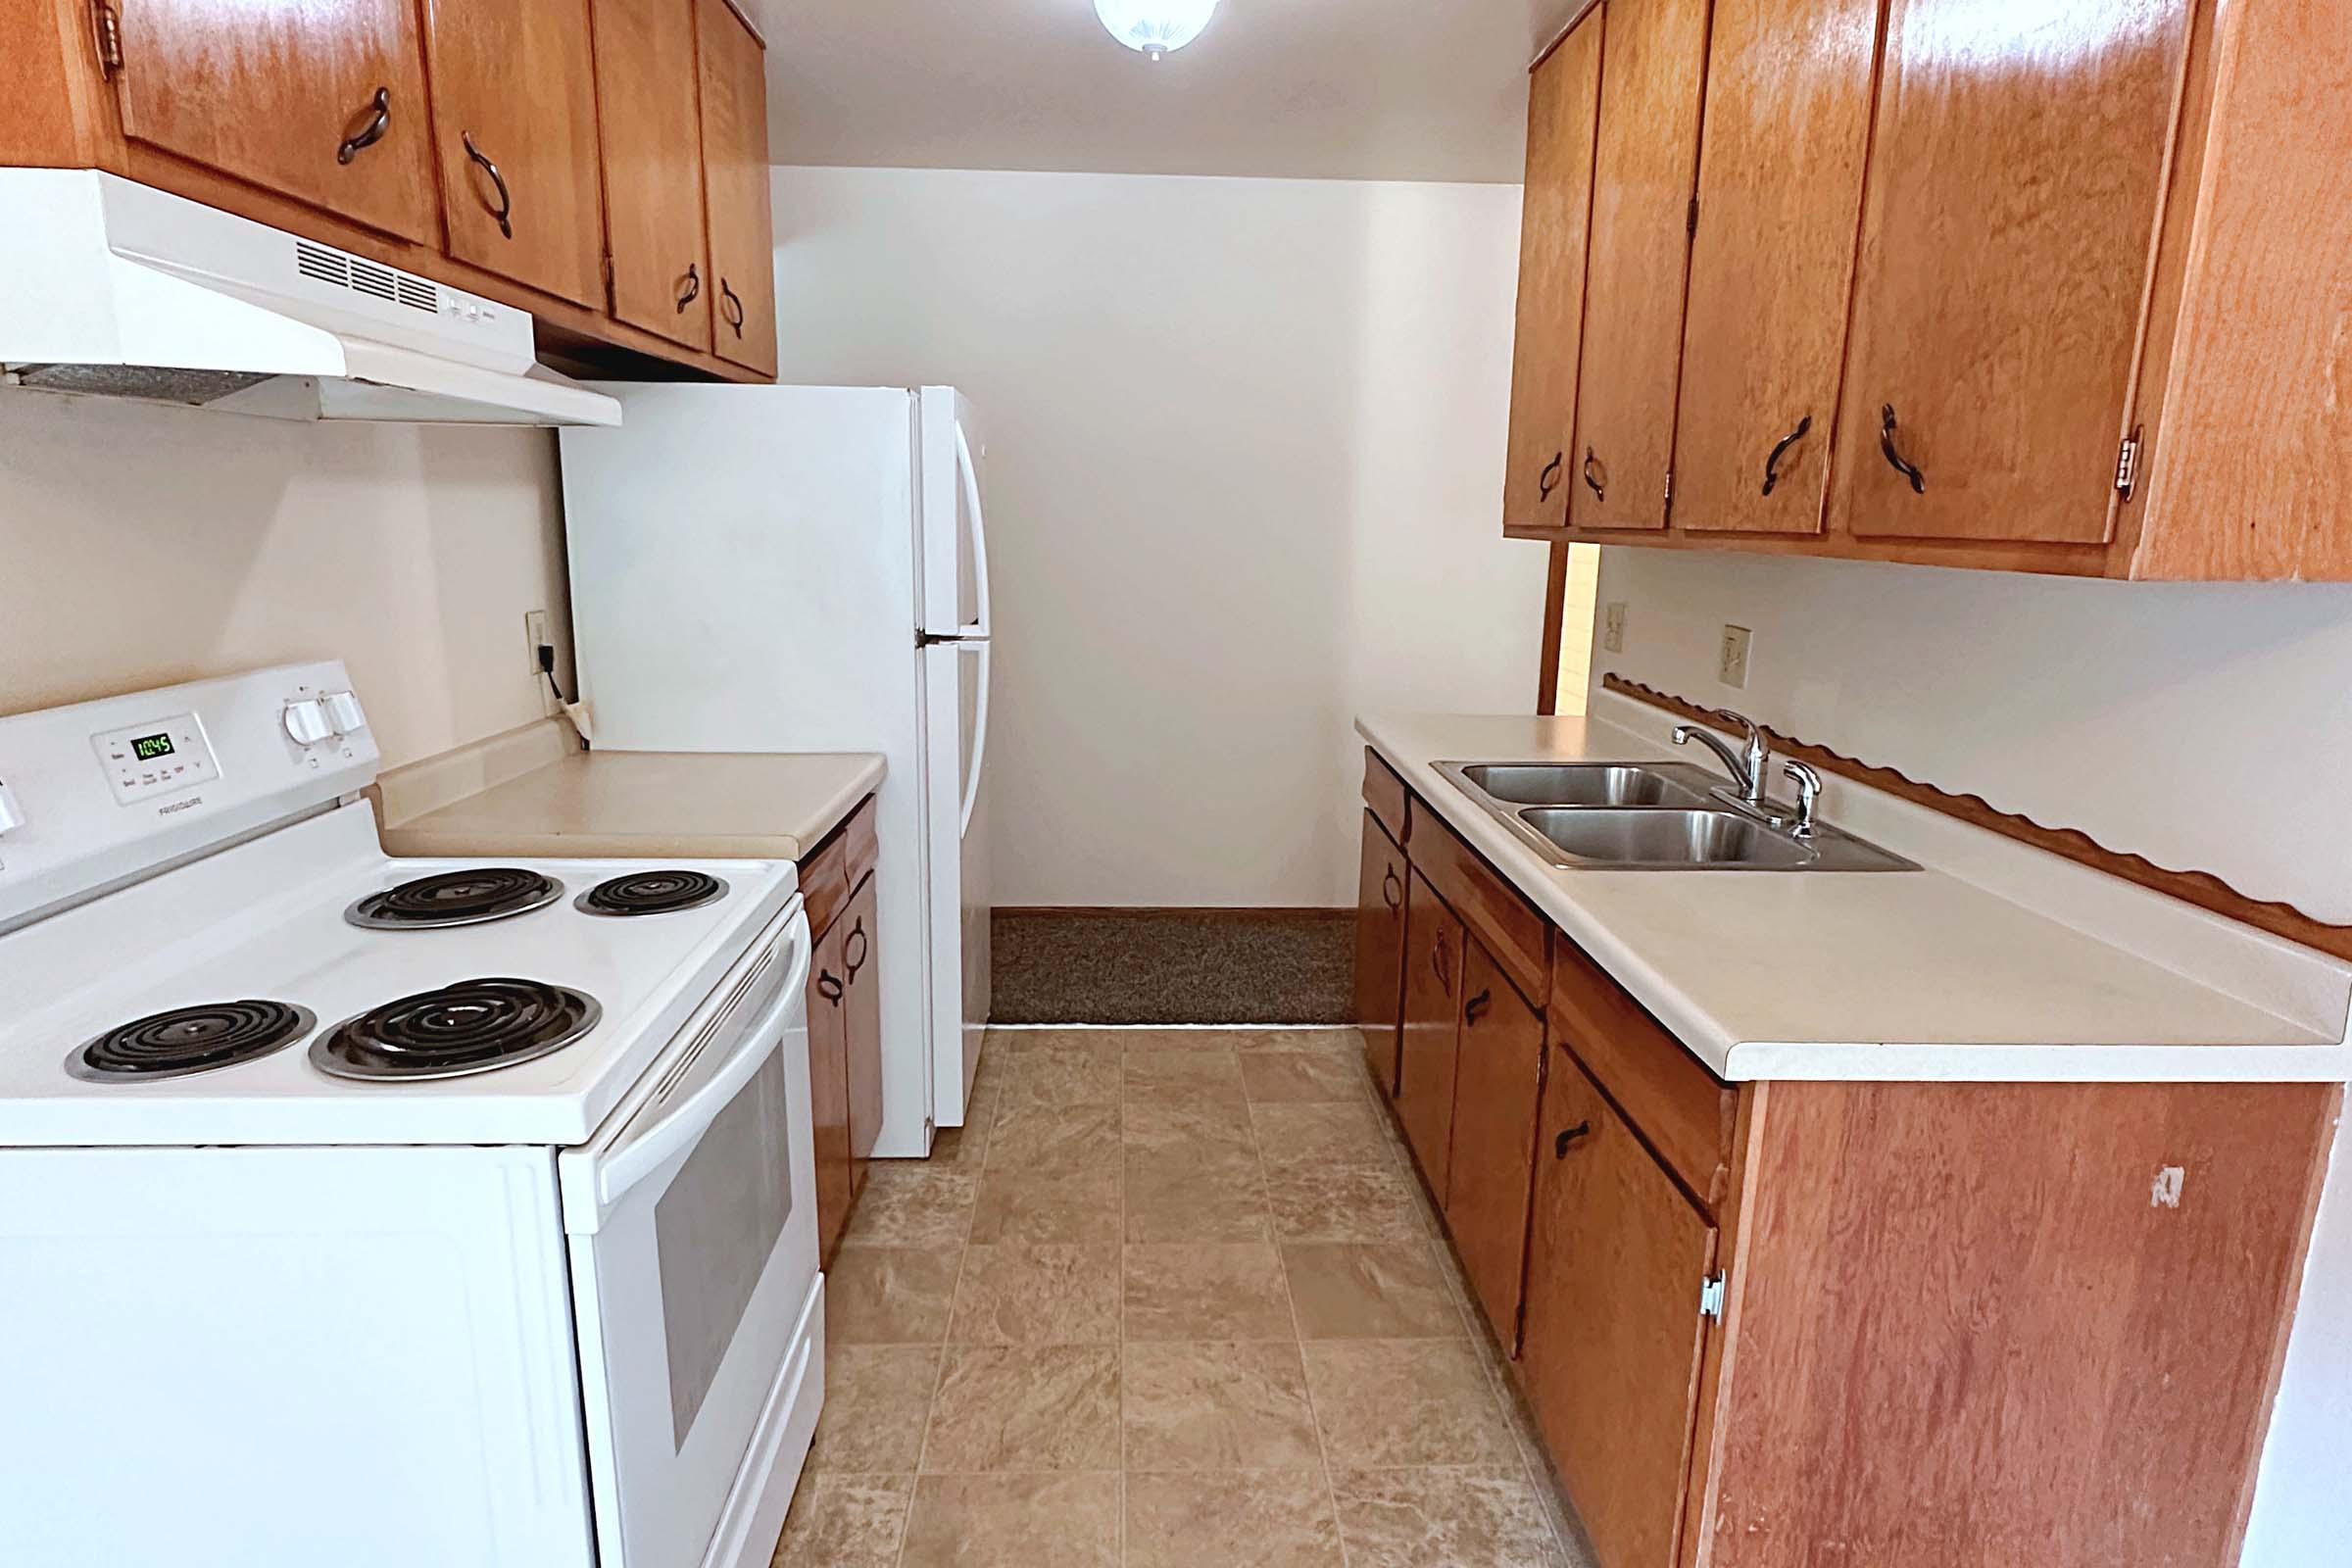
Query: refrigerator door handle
x: 967, y: 472
x: 971, y: 786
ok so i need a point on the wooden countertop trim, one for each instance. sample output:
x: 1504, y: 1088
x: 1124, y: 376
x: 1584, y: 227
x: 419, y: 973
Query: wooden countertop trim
x: 2202, y: 889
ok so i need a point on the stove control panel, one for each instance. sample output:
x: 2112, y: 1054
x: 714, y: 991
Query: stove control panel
x: 103, y: 792
x: 155, y: 757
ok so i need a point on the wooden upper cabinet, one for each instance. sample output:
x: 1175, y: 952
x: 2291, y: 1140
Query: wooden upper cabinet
x: 649, y: 130
x: 735, y: 179
x: 515, y: 124
x: 2014, y: 188
x: 323, y: 102
x: 1563, y: 102
x: 1646, y: 160
x: 1779, y: 192
x: 1616, y: 1260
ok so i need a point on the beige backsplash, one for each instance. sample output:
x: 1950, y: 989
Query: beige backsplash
x: 141, y: 546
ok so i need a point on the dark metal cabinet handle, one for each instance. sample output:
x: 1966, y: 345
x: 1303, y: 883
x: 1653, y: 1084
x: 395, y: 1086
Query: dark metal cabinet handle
x: 1438, y: 963
x: 694, y: 286
x: 866, y: 949
x: 1780, y: 449
x: 1570, y: 1138
x: 1391, y: 891
x: 1894, y: 459
x: 1550, y: 479
x: 1596, y: 476
x: 730, y: 307
x: 379, y: 120
x: 1476, y: 1008
x: 505, y: 213
x: 829, y: 987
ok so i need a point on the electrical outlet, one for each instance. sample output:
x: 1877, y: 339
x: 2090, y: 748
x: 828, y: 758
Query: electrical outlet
x: 1730, y: 664
x: 1613, y: 628
x: 535, y: 637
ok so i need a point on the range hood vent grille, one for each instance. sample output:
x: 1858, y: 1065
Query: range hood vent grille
x: 337, y: 269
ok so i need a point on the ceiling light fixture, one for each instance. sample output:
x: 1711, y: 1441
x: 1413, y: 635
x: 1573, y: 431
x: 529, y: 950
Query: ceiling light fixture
x: 1156, y: 26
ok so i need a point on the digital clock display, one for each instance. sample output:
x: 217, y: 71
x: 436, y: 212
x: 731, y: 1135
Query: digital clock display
x: 147, y: 748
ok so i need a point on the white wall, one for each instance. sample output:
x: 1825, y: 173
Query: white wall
x: 1245, y: 464
x: 143, y: 546
x: 2204, y: 727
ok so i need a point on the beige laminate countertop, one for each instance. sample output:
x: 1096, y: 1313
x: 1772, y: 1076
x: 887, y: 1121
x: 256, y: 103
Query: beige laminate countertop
x: 1916, y: 975
x: 637, y: 804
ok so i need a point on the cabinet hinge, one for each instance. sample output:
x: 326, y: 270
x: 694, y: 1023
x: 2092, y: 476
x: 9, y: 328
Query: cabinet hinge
x: 1519, y: 1330
x: 106, y: 32
x: 1711, y: 1296
x: 2126, y: 464
x: 611, y: 303
x: 1669, y: 492
x: 1690, y: 225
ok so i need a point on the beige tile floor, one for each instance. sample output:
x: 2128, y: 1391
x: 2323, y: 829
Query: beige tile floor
x: 1172, y: 1298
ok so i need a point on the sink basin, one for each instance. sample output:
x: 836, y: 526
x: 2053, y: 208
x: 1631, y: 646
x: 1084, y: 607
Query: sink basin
x: 1603, y: 837
x: 1587, y: 784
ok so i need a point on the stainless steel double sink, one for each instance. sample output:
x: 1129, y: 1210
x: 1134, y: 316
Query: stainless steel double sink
x: 1653, y: 816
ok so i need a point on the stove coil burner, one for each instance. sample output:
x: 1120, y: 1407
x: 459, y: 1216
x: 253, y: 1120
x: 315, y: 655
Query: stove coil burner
x: 652, y: 892
x: 189, y: 1039
x: 473, y: 1026
x: 456, y: 898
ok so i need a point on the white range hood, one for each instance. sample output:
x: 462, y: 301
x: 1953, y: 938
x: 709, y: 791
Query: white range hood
x: 110, y: 288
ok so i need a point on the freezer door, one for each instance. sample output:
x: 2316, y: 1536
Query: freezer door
x: 955, y: 677
x: 954, y: 547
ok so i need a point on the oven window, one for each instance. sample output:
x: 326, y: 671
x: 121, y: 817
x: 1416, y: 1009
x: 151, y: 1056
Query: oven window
x: 715, y: 1230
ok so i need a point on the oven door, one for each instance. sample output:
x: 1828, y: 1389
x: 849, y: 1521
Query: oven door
x: 691, y: 1221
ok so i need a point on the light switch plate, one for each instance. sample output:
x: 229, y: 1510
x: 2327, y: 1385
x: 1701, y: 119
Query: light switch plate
x: 1612, y: 627
x: 1731, y: 663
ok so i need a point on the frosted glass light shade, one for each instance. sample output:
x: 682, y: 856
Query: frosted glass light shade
x: 1156, y: 26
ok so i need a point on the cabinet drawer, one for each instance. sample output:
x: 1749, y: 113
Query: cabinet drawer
x: 1384, y: 793
x: 1513, y: 929
x: 825, y: 883
x: 1682, y: 1110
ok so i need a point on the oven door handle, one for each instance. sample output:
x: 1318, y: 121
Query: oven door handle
x: 691, y: 1117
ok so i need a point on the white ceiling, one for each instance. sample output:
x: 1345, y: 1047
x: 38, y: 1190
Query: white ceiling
x: 1352, y: 89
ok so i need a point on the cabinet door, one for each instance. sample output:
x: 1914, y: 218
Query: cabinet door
x: 2014, y: 184
x: 1563, y: 102
x: 649, y: 130
x: 735, y: 176
x: 1645, y: 162
x: 1780, y: 193
x: 863, y: 1045
x: 1615, y: 1265
x: 1380, y: 952
x: 323, y: 102
x: 1433, y: 1001
x: 829, y: 1086
x: 515, y: 124
x: 1497, y: 1083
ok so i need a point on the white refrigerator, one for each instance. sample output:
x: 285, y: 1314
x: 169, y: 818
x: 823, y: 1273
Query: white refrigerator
x: 760, y: 569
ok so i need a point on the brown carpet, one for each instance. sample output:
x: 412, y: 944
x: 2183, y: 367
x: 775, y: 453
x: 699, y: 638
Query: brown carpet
x: 1136, y: 967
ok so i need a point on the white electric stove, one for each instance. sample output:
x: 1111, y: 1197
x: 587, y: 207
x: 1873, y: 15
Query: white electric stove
x: 377, y: 1211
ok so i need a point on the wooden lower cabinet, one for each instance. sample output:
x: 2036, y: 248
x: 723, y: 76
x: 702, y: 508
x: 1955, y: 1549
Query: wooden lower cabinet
x: 1498, y: 1079
x: 1380, y: 952
x: 1433, y: 998
x: 1614, y: 1332
x: 1790, y: 1324
x: 862, y: 1011
x: 829, y: 1088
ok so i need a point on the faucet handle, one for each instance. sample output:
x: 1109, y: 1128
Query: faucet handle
x: 1808, y: 794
